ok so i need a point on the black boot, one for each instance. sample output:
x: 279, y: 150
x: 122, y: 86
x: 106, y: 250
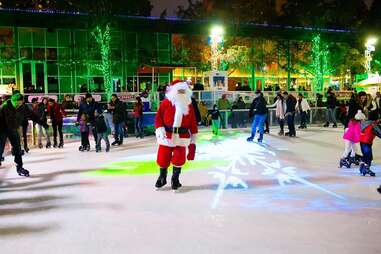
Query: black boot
x: 326, y: 124
x: 344, y: 162
x: 22, y: 171
x: 379, y: 189
x: 162, y: 180
x: 175, y: 182
x: 60, y: 145
x: 365, y: 170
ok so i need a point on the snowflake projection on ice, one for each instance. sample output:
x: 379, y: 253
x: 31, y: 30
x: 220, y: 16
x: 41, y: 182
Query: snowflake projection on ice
x: 245, y: 155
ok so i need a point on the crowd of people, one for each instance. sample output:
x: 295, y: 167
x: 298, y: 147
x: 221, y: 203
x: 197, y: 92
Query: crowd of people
x: 360, y: 118
x: 92, y: 118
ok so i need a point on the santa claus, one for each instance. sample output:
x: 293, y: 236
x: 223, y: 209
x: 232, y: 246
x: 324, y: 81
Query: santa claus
x: 176, y: 129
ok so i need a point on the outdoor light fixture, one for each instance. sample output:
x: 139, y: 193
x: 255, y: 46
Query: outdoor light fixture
x: 216, y: 40
x: 371, y: 43
x: 216, y: 34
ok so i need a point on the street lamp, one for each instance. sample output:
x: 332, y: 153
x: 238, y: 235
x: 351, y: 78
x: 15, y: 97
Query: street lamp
x: 216, y: 38
x: 370, y: 46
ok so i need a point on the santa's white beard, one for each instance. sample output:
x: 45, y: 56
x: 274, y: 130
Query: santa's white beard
x: 181, y: 102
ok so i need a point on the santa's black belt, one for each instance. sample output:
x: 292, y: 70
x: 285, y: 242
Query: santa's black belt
x: 176, y: 130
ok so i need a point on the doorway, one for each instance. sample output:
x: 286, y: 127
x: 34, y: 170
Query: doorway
x: 34, y: 78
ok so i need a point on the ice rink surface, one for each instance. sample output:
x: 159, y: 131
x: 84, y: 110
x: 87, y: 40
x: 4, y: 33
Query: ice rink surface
x: 284, y: 196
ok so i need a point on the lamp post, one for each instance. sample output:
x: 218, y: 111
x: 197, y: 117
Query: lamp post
x: 370, y: 46
x: 216, y: 38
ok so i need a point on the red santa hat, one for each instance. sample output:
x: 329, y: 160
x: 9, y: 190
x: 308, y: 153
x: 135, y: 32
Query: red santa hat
x: 178, y: 85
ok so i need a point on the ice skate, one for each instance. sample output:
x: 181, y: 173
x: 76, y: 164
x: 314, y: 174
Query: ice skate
x: 365, y: 170
x: 326, y: 124
x: 344, y: 162
x: 334, y: 125
x: 22, y: 171
x: 281, y: 133
x: 60, y: 145
x: 87, y: 148
x: 353, y: 160
x: 379, y: 189
x: 55, y: 145
x: 48, y: 145
x: 175, y: 182
x: 81, y: 148
x: 250, y: 139
x: 40, y: 146
x: 162, y: 180
x: 115, y: 143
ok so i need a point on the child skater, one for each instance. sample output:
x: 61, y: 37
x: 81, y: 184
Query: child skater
x: 101, y: 128
x: 216, y: 120
x: 351, y: 138
x: 369, y: 130
x: 84, y: 129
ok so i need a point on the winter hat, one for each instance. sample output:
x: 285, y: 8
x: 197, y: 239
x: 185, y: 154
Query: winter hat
x: 360, y: 116
x: 88, y: 95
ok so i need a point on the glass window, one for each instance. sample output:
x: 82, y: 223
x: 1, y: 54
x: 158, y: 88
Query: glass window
x: 38, y: 53
x: 63, y: 38
x: 51, y: 38
x: 6, y: 36
x: 52, y: 68
x: 26, y: 53
x: 51, y: 53
x: 25, y: 37
x: 38, y: 36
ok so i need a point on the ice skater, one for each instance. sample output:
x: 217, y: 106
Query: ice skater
x: 369, y: 130
x: 12, y: 113
x: 102, y: 130
x: 176, y: 129
x: 258, y: 109
x: 351, y: 139
x: 84, y: 128
x: 216, y: 120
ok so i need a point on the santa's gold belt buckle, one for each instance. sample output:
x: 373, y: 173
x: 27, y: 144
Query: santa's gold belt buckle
x: 176, y: 130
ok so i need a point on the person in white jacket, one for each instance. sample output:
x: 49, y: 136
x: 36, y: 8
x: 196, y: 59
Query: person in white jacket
x: 302, y: 107
x: 280, y: 110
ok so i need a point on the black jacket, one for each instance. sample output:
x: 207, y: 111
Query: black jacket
x: 331, y: 101
x: 88, y: 109
x: 290, y: 104
x: 100, y: 124
x: 119, y: 112
x: 11, y: 118
x: 258, y: 106
x: 215, y: 113
x: 196, y: 110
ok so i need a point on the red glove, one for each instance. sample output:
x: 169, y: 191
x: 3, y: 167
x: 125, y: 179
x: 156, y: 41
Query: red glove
x: 191, y: 152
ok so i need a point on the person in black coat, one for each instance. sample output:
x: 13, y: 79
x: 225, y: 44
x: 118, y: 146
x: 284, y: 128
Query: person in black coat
x: 196, y: 110
x: 88, y: 107
x: 12, y: 114
x: 118, y: 118
x: 258, y: 109
x: 331, y: 109
x: 290, y: 114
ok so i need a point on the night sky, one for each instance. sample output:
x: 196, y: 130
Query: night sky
x: 171, y: 6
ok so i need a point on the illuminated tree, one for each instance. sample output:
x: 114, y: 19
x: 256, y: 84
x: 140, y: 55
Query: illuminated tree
x: 102, y: 35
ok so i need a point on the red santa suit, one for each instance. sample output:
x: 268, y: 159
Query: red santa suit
x: 176, y: 128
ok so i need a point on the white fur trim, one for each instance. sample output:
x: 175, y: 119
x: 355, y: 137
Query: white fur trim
x: 178, y: 118
x: 360, y: 116
x: 172, y: 143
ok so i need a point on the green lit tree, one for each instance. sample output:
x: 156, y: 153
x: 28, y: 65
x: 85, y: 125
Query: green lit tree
x: 102, y: 35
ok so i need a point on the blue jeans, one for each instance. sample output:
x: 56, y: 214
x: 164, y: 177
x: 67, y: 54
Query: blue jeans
x: 139, y: 126
x: 331, y: 115
x: 290, y: 117
x: 119, y: 132
x: 367, y: 153
x: 258, y: 122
